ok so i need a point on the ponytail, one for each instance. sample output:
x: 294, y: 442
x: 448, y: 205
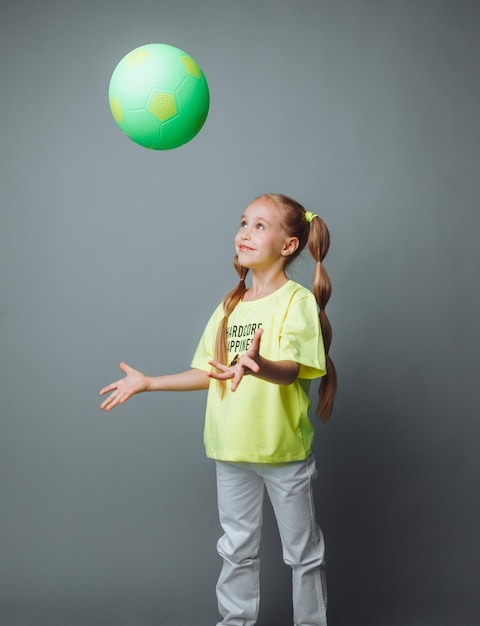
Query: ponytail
x: 318, y: 244
x: 230, y: 302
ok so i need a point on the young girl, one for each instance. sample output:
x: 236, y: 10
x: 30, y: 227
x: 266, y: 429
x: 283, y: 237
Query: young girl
x: 258, y: 353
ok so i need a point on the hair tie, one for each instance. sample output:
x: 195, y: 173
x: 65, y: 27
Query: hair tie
x: 309, y: 216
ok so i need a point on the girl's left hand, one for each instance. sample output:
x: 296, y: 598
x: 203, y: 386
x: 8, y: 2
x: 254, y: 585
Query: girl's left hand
x: 248, y: 363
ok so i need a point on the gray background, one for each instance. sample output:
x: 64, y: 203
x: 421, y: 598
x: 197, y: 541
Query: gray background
x: 367, y: 112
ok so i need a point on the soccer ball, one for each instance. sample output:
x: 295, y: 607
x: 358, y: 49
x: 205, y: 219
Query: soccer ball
x: 159, y: 96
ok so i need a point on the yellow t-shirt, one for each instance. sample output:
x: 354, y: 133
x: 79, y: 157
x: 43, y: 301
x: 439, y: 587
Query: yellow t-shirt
x: 263, y: 422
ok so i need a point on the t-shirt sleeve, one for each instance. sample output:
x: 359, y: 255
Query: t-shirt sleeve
x: 301, y: 337
x: 206, y: 346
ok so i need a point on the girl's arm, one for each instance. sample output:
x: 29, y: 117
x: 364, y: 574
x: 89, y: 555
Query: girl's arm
x: 278, y: 372
x: 136, y: 382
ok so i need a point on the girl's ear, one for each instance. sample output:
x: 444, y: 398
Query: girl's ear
x: 290, y: 246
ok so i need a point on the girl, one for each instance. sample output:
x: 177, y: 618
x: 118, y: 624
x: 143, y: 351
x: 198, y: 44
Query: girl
x: 258, y: 353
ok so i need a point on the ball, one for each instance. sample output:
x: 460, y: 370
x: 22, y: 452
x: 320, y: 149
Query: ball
x: 159, y: 96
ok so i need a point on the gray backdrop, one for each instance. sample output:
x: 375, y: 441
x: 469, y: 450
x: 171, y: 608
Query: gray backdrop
x: 364, y: 110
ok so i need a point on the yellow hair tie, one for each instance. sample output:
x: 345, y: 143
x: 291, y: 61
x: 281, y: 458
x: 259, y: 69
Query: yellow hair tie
x: 309, y: 216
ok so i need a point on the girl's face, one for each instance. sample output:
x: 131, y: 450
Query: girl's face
x: 261, y: 241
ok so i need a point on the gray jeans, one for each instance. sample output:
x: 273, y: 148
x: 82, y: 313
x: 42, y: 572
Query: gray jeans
x: 241, y: 488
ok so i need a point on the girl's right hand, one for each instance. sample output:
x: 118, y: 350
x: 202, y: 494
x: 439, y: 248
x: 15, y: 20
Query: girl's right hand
x: 133, y: 383
x: 248, y: 363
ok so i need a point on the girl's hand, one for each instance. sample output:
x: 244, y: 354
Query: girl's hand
x: 248, y: 363
x: 133, y: 383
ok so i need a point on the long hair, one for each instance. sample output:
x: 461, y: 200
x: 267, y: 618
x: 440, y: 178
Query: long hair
x: 316, y: 235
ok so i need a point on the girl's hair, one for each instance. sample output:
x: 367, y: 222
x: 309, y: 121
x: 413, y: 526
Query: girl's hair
x: 316, y: 235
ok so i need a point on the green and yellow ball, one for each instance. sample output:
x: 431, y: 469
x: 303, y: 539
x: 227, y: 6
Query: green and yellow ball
x: 159, y: 96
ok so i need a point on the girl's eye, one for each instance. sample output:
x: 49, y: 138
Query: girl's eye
x: 260, y: 226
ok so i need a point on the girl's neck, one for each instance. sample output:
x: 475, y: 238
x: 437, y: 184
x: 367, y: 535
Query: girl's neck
x: 264, y: 285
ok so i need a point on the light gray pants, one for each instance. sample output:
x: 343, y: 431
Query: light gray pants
x: 241, y: 489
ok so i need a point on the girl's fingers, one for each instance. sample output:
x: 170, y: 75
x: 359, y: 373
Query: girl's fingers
x: 108, y: 388
x: 250, y: 364
x: 108, y: 403
x: 117, y: 397
x: 255, y: 344
x: 220, y: 375
x: 219, y: 366
x: 237, y: 379
x: 126, y: 368
x: 105, y: 405
x: 245, y: 365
